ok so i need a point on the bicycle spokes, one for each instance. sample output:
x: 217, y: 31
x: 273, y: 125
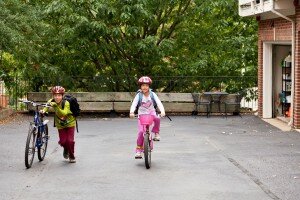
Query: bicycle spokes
x: 30, y: 148
x: 43, y: 143
x: 31, y: 151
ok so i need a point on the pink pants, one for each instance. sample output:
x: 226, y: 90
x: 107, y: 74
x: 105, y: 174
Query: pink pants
x: 66, y: 140
x: 142, y: 129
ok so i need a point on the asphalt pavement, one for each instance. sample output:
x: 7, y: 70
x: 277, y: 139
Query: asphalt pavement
x: 198, y: 158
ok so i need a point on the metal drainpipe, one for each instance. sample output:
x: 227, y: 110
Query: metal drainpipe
x: 291, y: 123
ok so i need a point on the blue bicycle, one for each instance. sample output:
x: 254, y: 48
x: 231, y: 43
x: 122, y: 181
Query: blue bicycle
x: 37, y: 139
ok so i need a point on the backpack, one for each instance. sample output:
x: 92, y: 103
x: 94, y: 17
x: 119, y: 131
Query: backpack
x: 74, y: 106
x: 139, y: 92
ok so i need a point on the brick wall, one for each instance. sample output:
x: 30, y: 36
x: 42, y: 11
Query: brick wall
x: 297, y: 72
x: 273, y: 30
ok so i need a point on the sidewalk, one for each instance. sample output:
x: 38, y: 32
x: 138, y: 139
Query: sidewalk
x: 279, y: 124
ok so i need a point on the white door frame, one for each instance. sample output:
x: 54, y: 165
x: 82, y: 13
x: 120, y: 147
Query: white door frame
x: 267, y: 78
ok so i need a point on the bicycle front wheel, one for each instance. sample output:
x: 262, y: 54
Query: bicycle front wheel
x: 30, y: 147
x: 147, y: 151
x: 43, y: 143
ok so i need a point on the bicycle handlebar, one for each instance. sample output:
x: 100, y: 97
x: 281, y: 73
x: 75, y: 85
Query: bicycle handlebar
x: 136, y: 116
x: 35, y: 104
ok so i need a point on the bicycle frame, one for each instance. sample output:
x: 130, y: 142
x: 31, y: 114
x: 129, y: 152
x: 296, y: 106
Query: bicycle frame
x: 147, y: 132
x: 146, y: 121
x: 38, y: 123
x: 37, y: 139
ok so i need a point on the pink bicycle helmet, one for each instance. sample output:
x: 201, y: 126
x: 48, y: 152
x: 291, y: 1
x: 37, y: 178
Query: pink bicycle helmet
x: 145, y: 80
x: 58, y: 90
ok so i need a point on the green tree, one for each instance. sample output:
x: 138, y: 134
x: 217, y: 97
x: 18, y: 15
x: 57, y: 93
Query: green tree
x: 217, y: 42
x: 20, y: 39
x: 138, y: 37
x: 97, y: 45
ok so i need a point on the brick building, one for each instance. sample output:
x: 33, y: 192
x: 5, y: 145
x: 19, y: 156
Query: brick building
x: 278, y: 57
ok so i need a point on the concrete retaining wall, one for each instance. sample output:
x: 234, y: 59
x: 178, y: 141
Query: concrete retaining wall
x: 121, y: 101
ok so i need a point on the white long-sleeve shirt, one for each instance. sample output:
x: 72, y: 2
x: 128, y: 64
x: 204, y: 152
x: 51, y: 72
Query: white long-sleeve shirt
x: 146, y: 106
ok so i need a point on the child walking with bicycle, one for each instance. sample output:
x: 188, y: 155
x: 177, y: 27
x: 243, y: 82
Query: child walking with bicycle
x: 64, y: 121
x: 146, y: 102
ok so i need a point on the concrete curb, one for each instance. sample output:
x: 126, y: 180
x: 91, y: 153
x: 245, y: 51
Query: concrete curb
x: 6, y: 112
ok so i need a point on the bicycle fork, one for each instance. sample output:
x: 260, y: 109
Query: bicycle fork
x: 40, y: 140
x: 148, y: 134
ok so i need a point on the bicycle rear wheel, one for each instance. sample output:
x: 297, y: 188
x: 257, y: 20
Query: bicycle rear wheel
x: 42, y: 147
x: 30, y: 147
x: 147, y: 151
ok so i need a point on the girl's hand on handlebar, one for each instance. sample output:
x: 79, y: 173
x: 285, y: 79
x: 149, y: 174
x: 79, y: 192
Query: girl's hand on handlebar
x: 53, y: 104
x: 131, y: 115
x: 162, y: 114
x: 43, y: 113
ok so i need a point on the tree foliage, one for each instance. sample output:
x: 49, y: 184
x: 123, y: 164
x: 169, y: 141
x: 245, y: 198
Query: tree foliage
x: 107, y: 45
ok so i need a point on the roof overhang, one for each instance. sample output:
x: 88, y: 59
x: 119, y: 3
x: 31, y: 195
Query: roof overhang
x: 264, y: 8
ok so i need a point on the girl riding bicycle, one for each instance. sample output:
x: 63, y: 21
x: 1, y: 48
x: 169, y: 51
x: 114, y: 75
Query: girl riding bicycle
x: 64, y: 121
x: 145, y: 102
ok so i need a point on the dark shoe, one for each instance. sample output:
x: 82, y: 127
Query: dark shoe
x: 66, y: 154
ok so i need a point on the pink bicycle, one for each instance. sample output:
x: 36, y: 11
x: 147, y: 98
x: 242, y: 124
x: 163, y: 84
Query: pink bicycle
x: 146, y: 120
